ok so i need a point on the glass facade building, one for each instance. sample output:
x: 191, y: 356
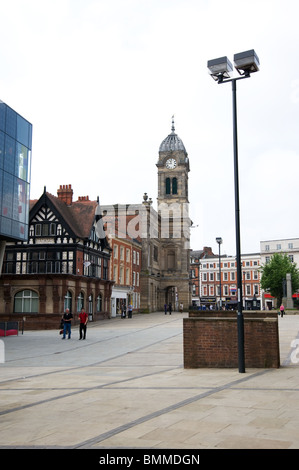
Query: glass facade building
x: 15, y: 165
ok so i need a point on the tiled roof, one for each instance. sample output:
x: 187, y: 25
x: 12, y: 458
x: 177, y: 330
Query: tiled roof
x: 79, y: 216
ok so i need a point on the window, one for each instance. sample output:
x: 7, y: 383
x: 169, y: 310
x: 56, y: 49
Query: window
x: 105, y: 269
x: 45, y: 230
x: 174, y: 186
x: 10, y: 265
x: 26, y: 301
x: 38, y: 230
x: 80, y: 302
x: 278, y: 246
x: 171, y: 186
x: 167, y: 184
x: 99, y: 303
x: 121, y: 275
x: 53, y: 229
x: 290, y: 246
x: 128, y: 255
x: 115, y: 251
x: 171, y: 260
x: 68, y: 301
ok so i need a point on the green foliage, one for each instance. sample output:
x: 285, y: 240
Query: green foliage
x: 274, y: 273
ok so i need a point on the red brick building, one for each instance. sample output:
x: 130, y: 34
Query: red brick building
x: 63, y: 264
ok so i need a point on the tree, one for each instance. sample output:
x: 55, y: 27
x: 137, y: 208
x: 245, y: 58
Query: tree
x: 274, y: 273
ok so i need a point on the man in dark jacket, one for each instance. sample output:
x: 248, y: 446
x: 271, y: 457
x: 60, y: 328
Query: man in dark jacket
x: 67, y: 318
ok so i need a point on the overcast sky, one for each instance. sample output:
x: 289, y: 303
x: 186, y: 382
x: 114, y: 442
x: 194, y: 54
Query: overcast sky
x: 100, y: 80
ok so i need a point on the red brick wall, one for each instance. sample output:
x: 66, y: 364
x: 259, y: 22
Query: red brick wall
x: 211, y: 340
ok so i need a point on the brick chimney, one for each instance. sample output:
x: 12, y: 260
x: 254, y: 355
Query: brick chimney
x: 65, y: 193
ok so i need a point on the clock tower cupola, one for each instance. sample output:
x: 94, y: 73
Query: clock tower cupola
x: 173, y: 168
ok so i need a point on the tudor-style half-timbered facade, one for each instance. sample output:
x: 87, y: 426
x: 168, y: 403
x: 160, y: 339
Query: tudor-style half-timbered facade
x: 63, y: 265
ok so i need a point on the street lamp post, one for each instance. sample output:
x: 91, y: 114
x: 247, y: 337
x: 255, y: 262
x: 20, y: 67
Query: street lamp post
x: 245, y: 63
x: 219, y: 241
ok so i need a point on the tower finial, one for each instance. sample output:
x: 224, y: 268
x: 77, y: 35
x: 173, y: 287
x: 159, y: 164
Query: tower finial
x: 172, y: 127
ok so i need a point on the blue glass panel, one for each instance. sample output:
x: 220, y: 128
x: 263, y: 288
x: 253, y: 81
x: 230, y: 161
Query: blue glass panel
x: 11, y: 122
x: 22, y: 162
x: 19, y: 200
x: 19, y: 230
x: 30, y: 137
x: 6, y: 226
x: 9, y: 157
x: 2, y: 140
x: 23, y: 131
x: 2, y: 116
x: 1, y: 177
x: 8, y: 181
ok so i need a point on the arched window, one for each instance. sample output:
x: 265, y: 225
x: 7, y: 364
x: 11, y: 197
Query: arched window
x: 90, y: 304
x: 174, y: 186
x: 26, y: 301
x: 167, y: 184
x: 99, y: 303
x: 170, y: 259
x: 80, y: 303
x: 68, y: 301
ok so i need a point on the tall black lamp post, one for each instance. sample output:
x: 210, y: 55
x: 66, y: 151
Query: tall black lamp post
x: 219, y: 241
x: 220, y: 69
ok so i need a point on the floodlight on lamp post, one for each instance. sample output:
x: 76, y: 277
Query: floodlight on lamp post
x: 219, y: 241
x: 220, y: 69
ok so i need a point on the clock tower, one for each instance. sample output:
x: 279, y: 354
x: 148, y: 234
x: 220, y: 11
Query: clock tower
x: 173, y: 168
x: 174, y: 227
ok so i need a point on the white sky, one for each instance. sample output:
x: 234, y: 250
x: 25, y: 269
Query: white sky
x: 100, y: 79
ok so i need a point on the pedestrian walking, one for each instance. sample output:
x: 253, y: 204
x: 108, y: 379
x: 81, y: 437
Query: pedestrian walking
x: 123, y: 311
x: 67, y: 319
x: 130, y: 311
x: 281, y: 310
x: 83, y: 317
x: 181, y: 307
x: 165, y: 309
x: 170, y: 308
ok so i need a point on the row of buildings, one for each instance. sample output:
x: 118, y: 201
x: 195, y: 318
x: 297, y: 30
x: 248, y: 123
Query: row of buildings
x: 214, y: 277
x: 58, y: 253
x: 79, y: 254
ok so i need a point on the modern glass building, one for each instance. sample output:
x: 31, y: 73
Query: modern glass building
x: 15, y: 163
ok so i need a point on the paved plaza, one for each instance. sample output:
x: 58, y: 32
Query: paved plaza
x: 125, y: 387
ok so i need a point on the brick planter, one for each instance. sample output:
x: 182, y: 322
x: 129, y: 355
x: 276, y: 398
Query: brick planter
x: 211, y: 339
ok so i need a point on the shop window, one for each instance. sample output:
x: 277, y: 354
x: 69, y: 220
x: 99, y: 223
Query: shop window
x: 26, y: 301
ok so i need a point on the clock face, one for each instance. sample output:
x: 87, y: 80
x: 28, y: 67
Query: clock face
x: 171, y: 163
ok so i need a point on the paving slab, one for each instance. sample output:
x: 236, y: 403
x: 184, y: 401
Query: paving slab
x: 125, y: 387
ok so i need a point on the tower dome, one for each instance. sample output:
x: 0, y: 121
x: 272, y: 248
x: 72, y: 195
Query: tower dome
x: 172, y: 141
